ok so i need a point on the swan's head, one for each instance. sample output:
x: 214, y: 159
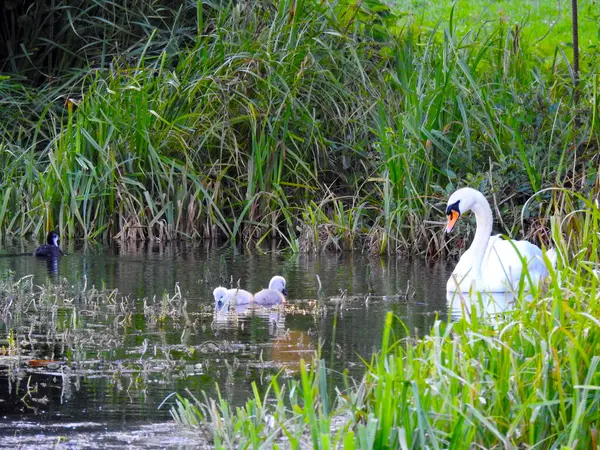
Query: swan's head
x: 277, y: 283
x: 52, y: 238
x: 219, y: 293
x: 460, y: 202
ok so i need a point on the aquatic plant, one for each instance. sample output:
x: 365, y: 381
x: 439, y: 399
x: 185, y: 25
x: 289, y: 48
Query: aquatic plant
x: 83, y: 330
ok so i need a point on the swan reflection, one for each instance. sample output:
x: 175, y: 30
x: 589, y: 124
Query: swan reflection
x: 229, y: 316
x: 483, y: 304
x: 287, y: 347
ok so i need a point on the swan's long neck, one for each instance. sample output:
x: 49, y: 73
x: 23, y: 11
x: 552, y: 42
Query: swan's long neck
x: 484, y: 219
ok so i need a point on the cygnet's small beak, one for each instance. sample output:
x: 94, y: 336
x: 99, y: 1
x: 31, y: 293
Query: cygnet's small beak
x: 452, y: 218
x: 284, y: 291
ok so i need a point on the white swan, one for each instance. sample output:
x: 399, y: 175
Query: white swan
x: 492, y: 264
x: 224, y: 297
x: 274, y: 295
x: 479, y: 304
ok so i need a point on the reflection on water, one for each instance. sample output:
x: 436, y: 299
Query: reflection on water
x: 110, y: 356
x: 480, y: 304
x: 289, y: 348
x: 51, y: 263
x: 237, y: 316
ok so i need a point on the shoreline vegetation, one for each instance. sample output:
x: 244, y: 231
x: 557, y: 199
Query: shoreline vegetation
x: 316, y: 125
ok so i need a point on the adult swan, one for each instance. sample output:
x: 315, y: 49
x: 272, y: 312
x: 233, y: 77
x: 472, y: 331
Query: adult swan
x: 492, y: 264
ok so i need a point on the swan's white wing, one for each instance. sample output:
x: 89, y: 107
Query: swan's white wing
x: 503, y: 263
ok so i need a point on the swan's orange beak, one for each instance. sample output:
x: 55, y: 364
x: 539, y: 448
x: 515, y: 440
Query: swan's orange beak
x: 452, y: 218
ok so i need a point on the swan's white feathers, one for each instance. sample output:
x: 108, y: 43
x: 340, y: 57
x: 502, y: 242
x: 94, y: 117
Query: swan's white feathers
x: 225, y: 297
x: 274, y: 295
x: 502, y: 266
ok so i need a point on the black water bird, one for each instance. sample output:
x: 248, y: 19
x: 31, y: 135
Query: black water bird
x: 50, y: 248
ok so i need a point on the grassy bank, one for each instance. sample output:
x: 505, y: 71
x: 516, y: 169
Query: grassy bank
x: 528, y: 377
x: 316, y: 124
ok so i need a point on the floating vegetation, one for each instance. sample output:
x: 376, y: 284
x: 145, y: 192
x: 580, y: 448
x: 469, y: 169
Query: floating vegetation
x: 58, y: 335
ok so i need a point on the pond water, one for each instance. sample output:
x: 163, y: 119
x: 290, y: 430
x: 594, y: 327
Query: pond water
x: 138, y: 324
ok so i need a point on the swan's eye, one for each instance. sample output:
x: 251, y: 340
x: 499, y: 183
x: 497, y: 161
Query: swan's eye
x: 453, y: 207
x: 453, y: 216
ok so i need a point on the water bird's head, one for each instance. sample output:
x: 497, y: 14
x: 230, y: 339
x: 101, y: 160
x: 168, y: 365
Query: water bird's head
x: 461, y: 201
x: 52, y: 238
x: 277, y: 283
x: 219, y: 294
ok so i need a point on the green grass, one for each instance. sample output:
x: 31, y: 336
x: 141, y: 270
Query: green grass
x: 525, y: 378
x: 543, y: 25
x: 314, y: 124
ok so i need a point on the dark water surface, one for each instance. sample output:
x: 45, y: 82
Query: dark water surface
x: 99, y: 363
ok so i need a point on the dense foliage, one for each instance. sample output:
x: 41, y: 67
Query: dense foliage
x: 319, y: 124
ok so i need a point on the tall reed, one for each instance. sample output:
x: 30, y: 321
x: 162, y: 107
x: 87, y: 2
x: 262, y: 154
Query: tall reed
x: 233, y: 121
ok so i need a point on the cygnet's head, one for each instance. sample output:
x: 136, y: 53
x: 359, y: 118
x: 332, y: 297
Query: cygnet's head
x: 219, y: 293
x: 461, y: 201
x: 277, y: 283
